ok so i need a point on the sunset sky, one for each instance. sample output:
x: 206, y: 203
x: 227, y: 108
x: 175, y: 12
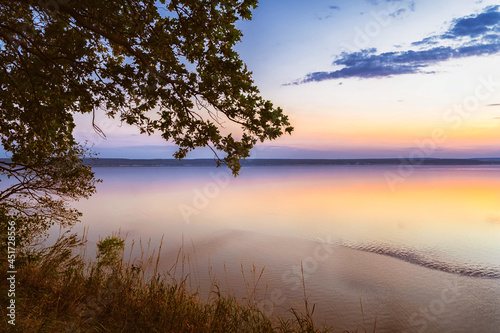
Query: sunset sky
x: 363, y: 78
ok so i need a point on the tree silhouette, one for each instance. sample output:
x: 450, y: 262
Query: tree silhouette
x: 126, y: 59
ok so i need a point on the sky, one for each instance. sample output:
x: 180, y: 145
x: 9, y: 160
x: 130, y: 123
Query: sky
x: 362, y: 79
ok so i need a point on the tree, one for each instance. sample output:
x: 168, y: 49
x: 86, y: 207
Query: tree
x: 127, y: 59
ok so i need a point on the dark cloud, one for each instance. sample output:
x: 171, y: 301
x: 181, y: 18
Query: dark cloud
x: 474, y: 35
x: 494, y: 104
x: 367, y: 64
x: 484, y: 26
x: 432, y: 40
x: 335, y: 7
x: 476, y: 25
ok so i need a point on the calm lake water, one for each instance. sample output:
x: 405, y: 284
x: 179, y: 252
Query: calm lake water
x: 422, y: 253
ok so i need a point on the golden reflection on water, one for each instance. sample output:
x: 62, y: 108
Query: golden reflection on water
x: 452, y: 198
x: 268, y: 215
x: 436, y: 207
x: 433, y: 208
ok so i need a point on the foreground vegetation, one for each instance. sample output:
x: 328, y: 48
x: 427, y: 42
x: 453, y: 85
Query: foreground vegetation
x: 58, y: 291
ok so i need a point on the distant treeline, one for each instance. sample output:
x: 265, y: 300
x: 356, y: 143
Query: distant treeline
x: 114, y: 162
x: 124, y: 162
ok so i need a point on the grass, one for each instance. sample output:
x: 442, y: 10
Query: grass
x: 58, y: 291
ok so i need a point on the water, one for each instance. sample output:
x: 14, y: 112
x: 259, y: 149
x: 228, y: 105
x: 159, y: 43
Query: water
x: 422, y: 254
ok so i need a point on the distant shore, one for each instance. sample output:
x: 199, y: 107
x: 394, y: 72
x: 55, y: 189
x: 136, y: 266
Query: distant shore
x: 122, y: 162
x: 171, y: 162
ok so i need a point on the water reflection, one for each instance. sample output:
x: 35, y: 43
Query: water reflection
x: 424, y: 257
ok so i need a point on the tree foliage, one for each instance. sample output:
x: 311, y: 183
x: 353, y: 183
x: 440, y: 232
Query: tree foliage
x: 167, y: 67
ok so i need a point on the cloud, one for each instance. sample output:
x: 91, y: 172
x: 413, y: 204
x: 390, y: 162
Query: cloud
x: 494, y: 104
x: 479, y: 27
x: 322, y: 17
x: 398, y: 12
x: 476, y: 25
x: 469, y: 36
x: 325, y: 17
x: 412, y: 6
x: 401, y: 9
x: 411, y: 3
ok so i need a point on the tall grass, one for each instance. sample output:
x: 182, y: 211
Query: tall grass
x: 59, y: 291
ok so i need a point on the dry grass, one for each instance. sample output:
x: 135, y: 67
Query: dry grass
x: 58, y: 291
